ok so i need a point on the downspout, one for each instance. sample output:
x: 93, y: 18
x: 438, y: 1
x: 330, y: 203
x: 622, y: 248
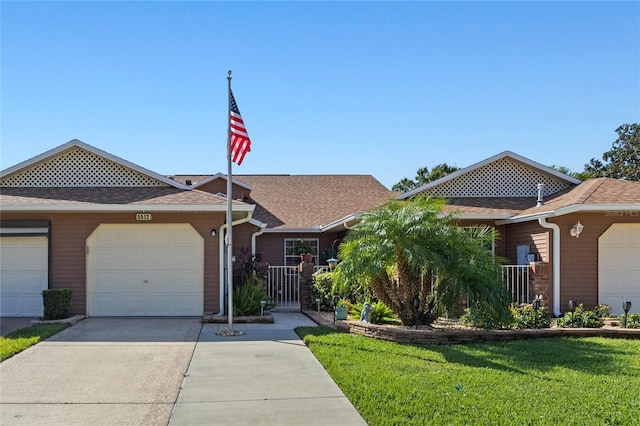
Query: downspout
x: 555, y: 233
x: 253, y: 239
x: 222, y: 263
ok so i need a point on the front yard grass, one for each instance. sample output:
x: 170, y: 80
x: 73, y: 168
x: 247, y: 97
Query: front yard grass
x: 21, y: 339
x: 569, y: 381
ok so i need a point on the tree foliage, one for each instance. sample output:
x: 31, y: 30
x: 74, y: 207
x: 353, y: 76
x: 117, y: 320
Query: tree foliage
x: 622, y: 161
x: 406, y: 250
x: 424, y: 176
x: 578, y: 175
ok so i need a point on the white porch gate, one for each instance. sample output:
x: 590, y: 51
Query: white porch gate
x: 283, y: 288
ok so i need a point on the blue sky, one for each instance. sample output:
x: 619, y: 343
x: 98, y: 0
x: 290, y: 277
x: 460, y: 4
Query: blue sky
x: 380, y: 88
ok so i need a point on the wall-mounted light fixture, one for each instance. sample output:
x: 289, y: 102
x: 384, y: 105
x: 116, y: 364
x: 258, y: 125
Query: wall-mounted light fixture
x: 576, y: 229
x: 213, y: 232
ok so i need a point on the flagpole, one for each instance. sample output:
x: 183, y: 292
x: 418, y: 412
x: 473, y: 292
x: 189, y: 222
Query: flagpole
x: 229, y: 215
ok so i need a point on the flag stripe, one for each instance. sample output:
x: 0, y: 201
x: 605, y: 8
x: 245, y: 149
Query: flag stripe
x: 240, y: 142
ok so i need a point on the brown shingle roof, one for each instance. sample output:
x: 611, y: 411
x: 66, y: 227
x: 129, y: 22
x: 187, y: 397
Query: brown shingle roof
x: 107, y: 195
x: 507, y: 206
x: 307, y: 201
x: 593, y: 191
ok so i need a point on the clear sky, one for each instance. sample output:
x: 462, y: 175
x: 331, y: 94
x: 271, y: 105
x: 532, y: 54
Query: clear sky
x: 380, y: 88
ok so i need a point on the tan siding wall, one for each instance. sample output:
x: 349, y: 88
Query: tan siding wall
x: 530, y: 233
x: 579, y: 265
x: 69, y: 232
x: 220, y: 186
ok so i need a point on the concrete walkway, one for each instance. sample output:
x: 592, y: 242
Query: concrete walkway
x: 265, y: 377
x: 159, y: 371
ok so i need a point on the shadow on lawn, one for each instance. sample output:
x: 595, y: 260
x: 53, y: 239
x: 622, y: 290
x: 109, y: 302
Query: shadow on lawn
x: 518, y: 356
x: 544, y: 354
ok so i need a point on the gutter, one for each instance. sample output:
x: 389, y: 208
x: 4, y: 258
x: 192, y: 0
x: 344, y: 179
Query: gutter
x: 222, y: 263
x: 574, y: 208
x: 555, y: 233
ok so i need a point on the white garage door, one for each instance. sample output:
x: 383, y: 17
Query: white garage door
x: 619, y: 267
x: 23, y: 275
x: 145, y: 270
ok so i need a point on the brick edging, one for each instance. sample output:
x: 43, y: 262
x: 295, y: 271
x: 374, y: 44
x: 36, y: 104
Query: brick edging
x: 444, y: 337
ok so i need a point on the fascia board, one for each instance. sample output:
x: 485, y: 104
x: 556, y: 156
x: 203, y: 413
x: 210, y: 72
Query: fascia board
x: 79, y: 144
x: 73, y: 208
x: 574, y: 208
x: 480, y: 216
x: 292, y: 230
x: 341, y: 221
x: 221, y: 176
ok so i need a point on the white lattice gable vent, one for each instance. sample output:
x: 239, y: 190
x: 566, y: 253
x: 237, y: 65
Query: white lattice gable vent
x: 501, y: 178
x: 79, y: 168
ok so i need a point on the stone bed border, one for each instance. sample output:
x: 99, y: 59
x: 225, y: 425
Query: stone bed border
x: 449, y: 337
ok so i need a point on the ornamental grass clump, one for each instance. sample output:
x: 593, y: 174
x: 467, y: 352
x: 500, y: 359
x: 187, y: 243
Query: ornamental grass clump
x: 380, y: 313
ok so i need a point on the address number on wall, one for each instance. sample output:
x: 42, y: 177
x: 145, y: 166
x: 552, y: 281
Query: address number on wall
x: 143, y: 216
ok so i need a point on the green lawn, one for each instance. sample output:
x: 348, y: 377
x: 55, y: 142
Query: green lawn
x: 588, y: 381
x: 21, y: 339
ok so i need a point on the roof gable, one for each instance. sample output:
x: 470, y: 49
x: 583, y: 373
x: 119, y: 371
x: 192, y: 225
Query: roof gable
x: 504, y: 175
x: 76, y: 164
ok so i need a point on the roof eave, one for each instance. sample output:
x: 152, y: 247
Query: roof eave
x: 633, y: 208
x: 293, y: 230
x: 83, y: 208
x: 221, y: 176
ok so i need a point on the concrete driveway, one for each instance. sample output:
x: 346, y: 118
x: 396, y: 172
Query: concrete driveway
x: 101, y: 371
x: 9, y: 324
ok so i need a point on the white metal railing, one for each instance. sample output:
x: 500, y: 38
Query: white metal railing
x: 283, y: 287
x: 516, y: 278
x: 319, y: 269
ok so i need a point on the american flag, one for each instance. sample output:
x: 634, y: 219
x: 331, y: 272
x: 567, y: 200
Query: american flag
x: 240, y: 142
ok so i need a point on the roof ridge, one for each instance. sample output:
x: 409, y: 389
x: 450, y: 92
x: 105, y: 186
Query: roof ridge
x: 586, y: 197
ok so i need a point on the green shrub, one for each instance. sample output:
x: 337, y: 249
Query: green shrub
x: 57, y: 303
x: 527, y: 317
x: 321, y: 284
x: 581, y: 318
x: 247, y: 297
x: 633, y: 320
x: 602, y: 311
x: 479, y: 318
x: 380, y: 313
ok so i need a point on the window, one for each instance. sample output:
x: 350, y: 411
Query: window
x: 293, y: 247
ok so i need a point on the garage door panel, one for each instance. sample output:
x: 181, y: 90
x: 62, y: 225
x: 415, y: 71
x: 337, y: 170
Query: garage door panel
x: 183, y: 260
x: 185, y: 304
x: 129, y: 258
x: 10, y: 305
x: 159, y: 271
x: 619, y: 266
x: 23, y: 275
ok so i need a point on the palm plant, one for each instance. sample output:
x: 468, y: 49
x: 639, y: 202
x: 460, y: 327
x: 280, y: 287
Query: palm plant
x: 409, y: 250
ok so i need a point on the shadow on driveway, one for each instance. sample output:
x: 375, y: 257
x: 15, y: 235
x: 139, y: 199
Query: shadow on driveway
x: 11, y: 324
